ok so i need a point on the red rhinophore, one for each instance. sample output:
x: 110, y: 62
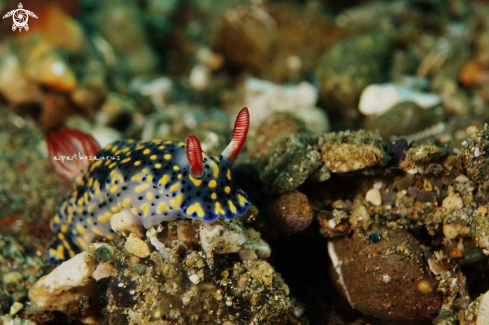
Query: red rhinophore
x: 69, y: 152
x: 240, y: 132
x: 194, y: 156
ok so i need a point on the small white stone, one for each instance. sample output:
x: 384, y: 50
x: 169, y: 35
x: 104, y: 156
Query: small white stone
x: 455, y: 230
x: 222, y: 238
x: 103, y: 270
x: 377, y: 99
x: 58, y: 68
x: 199, y: 77
x: 247, y: 254
x: 477, y: 152
x: 374, y: 197
x: 194, y: 278
x: 137, y: 246
x: 16, y: 307
x: 453, y: 202
x: 462, y: 179
x: 125, y: 221
x: 151, y: 232
x: 59, y: 289
x: 386, y: 278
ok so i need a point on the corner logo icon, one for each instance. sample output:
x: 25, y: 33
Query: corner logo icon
x: 20, y: 17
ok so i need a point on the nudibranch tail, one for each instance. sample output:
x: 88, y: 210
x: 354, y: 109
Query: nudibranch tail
x: 241, y: 127
x: 69, y: 152
x: 194, y: 156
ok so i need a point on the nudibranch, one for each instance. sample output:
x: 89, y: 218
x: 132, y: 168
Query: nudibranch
x: 156, y: 181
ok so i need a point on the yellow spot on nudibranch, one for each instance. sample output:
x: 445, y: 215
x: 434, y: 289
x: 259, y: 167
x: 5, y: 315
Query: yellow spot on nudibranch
x: 97, y: 232
x: 81, y: 243
x: 168, y: 142
x: 146, y: 151
x: 161, y: 147
x: 108, y: 147
x: 64, y: 228
x: 162, y: 207
x: 126, y: 150
x: 126, y: 203
x: 227, y: 189
x: 136, y: 178
x: 214, y: 196
x: 114, y: 189
x: 115, y: 149
x: 163, y: 180
x: 80, y: 229
x: 101, y: 219
x: 174, y: 187
x: 196, y: 208
x: 112, y: 165
x: 228, y: 174
x: 215, y: 167
x: 141, y: 188
x: 145, y: 209
x: 158, y: 166
x: 137, y: 163
x: 231, y: 206
x: 153, y: 157
x: 242, y: 200
x: 181, y: 143
x: 126, y: 160
x: 167, y: 156
x: 212, y: 184
x: 196, y: 182
x: 176, y: 167
x: 219, y: 209
x: 149, y: 196
x: 174, y: 204
x: 60, y: 253
x: 116, y: 210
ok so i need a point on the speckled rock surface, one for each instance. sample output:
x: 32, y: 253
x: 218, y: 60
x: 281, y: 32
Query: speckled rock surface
x: 291, y: 212
x: 383, y: 279
x: 177, y: 282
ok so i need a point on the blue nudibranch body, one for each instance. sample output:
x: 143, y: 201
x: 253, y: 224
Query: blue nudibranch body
x: 156, y: 181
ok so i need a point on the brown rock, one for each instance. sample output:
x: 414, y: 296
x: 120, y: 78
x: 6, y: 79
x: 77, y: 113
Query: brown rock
x: 252, y: 37
x: 388, y: 279
x: 291, y: 212
x: 262, y: 140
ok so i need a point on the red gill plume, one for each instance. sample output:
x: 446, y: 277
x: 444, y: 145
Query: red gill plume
x: 69, y: 152
x: 240, y: 132
x: 194, y: 156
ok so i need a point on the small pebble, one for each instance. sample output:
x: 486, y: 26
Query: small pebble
x: 453, y: 202
x: 102, y: 254
x: 139, y: 269
x: 13, y: 277
x: 16, y: 307
x: 103, y: 271
x: 374, y: 237
x: 194, y: 278
x: 136, y: 246
x: 374, y: 197
x: 425, y: 287
x: 483, y: 314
